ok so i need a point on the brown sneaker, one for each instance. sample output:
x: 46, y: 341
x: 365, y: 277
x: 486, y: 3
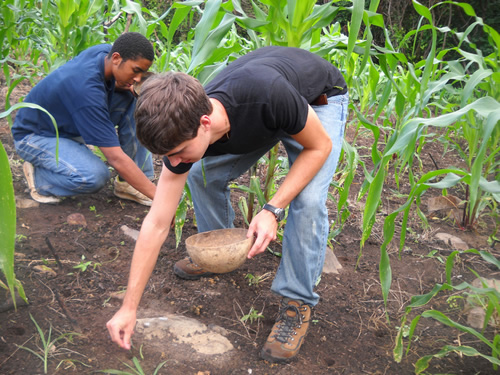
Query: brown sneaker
x: 187, y: 269
x: 125, y: 191
x: 29, y: 173
x: 288, y: 332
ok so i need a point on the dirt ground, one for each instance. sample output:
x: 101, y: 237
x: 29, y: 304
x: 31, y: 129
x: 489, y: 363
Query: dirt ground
x: 349, y: 334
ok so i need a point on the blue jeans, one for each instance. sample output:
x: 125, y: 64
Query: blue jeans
x: 78, y: 170
x: 306, y: 229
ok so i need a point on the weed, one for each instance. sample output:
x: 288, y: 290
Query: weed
x: 82, y: 266
x: 48, y: 344
x: 20, y: 237
x: 256, y: 280
x: 253, y: 315
x: 94, y: 210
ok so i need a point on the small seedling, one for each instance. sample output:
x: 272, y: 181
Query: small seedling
x: 253, y: 315
x: 82, y: 266
x: 20, y: 237
x: 256, y: 280
x: 94, y: 210
x: 48, y: 344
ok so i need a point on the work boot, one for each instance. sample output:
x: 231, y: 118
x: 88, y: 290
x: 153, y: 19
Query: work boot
x: 125, y: 191
x: 187, y: 269
x: 29, y: 173
x: 287, y: 335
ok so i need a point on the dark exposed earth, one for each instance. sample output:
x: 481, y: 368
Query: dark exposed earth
x: 351, y: 331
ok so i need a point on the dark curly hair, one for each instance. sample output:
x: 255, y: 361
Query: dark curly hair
x: 133, y: 46
x: 169, y: 110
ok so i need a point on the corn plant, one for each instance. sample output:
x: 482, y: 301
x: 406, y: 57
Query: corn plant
x: 411, y: 98
x: 490, y: 300
x: 8, y: 211
x: 48, y: 344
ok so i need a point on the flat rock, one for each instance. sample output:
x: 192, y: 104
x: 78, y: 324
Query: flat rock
x: 442, y: 203
x: 454, y: 242
x: 172, y: 329
x: 331, y: 265
x: 132, y: 233
x: 476, y: 314
x: 76, y: 219
x: 26, y: 203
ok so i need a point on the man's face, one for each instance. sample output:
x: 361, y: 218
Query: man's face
x: 192, y: 150
x: 128, y: 72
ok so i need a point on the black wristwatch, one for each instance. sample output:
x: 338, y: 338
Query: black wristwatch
x: 279, y: 213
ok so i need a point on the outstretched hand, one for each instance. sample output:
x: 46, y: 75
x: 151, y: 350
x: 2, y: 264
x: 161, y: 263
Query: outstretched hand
x: 121, y: 327
x: 263, y: 227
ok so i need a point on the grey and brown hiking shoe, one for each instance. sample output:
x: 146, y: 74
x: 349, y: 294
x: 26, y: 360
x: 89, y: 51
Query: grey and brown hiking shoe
x: 287, y: 335
x: 187, y: 269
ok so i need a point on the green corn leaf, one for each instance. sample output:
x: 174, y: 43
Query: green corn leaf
x: 180, y: 219
x: 385, y: 273
x: 210, y: 42
x: 356, y: 19
x: 442, y: 318
x: 475, y: 79
x: 66, y: 10
x: 373, y: 201
x: 8, y: 222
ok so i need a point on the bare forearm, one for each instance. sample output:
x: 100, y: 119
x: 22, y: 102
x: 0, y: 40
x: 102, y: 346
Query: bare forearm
x: 128, y: 170
x: 143, y: 262
x: 317, y: 147
x: 305, y: 167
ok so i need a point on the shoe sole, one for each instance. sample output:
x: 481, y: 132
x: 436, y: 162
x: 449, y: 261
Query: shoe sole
x: 29, y: 174
x: 133, y: 198
x: 268, y: 357
x: 187, y: 276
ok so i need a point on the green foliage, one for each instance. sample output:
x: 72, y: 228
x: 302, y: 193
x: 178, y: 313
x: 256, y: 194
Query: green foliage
x: 8, y: 212
x: 252, y: 316
x: 489, y: 297
x: 48, y: 344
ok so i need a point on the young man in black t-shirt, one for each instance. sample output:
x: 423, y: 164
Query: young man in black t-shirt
x: 274, y: 94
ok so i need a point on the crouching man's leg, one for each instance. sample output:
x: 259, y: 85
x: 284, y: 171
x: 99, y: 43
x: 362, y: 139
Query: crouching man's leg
x: 76, y: 170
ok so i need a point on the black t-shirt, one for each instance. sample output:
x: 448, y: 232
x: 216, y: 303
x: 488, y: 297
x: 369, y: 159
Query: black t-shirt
x: 265, y: 92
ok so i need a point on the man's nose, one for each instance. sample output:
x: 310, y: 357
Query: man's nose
x: 174, y: 160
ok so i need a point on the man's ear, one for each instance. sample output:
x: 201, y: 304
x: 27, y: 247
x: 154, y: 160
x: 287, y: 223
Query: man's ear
x: 206, y: 122
x: 116, y: 58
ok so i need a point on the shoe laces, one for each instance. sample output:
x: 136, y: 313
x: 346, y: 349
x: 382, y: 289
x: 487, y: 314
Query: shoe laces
x: 289, y: 319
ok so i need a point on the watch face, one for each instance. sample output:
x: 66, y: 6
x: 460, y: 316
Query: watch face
x: 280, y: 214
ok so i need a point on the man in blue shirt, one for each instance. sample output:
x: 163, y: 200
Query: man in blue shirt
x: 91, y: 98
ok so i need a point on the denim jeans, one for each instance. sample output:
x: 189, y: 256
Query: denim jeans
x: 306, y: 229
x: 78, y: 170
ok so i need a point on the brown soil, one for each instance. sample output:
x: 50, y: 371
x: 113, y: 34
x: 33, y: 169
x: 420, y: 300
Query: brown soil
x: 350, y: 333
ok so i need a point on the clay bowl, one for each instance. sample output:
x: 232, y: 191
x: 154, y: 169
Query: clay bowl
x: 221, y: 250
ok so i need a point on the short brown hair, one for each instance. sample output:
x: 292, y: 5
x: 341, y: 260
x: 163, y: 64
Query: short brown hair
x: 169, y: 110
